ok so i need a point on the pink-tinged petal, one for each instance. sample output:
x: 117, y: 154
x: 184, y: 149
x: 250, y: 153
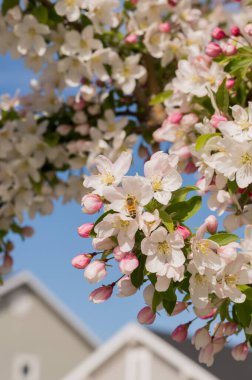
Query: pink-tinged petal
x: 162, y: 283
x: 122, y: 164
x: 159, y: 235
x: 153, y: 264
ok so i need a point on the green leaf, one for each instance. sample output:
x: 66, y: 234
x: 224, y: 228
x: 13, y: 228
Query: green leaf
x: 248, y: 293
x: 223, y: 310
x: 243, y: 312
x: 156, y: 301
x: 41, y: 14
x: 137, y: 276
x: 166, y: 220
x: 180, y: 194
x: 222, y: 97
x: 153, y: 205
x: 160, y: 98
x: 169, y: 299
x: 232, y: 186
x: 92, y: 232
x: 1, y: 281
x: 8, y: 4
x: 182, y: 211
x: 223, y: 238
x: 51, y: 138
x: 203, y: 139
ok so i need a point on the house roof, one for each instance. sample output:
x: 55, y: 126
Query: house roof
x: 225, y: 367
x: 27, y: 279
x: 139, y: 334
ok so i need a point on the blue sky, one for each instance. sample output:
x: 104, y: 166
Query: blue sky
x: 48, y: 253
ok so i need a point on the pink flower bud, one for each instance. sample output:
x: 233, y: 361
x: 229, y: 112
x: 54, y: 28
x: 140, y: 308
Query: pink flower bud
x: 235, y: 31
x: 27, y: 231
x: 85, y: 229
x: 118, y: 254
x: 175, y: 117
x: 128, y: 263
x: 91, y: 203
x: 213, y: 49
x: 131, y: 38
x: 211, y: 224
x: 230, y: 328
x: 201, y: 338
x: 125, y: 287
x: 229, y: 49
x: 81, y: 261
x: 218, y: 33
x: 134, y: 2
x: 248, y: 29
x: 240, y: 352
x: 184, y: 232
x: 172, y: 3
x: 190, y: 168
x: 146, y: 316
x: 95, y: 271
x: 216, y: 119
x: 179, y: 307
x: 180, y: 333
x: 230, y: 83
x: 6, y: 267
x: 101, y: 294
x: 165, y: 27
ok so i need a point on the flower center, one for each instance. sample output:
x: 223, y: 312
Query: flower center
x: 246, y: 159
x: 157, y: 184
x: 32, y: 32
x: 163, y: 248
x: 203, y: 247
x: 108, y: 178
x: 231, y: 279
x: 245, y: 125
x: 200, y: 279
x: 70, y: 3
x: 124, y: 223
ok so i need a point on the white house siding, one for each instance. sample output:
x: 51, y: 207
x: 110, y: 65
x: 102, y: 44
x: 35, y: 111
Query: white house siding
x: 30, y: 328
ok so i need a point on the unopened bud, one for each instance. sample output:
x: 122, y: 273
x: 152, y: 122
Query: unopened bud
x: 81, y: 261
x: 85, y: 229
x: 229, y: 49
x: 146, y: 316
x: 240, y: 352
x: 213, y: 49
x: 180, y: 333
x: 211, y: 224
x: 101, y: 294
x: 91, y: 203
x: 184, y: 232
x: 235, y: 31
x: 218, y: 33
x: 165, y: 27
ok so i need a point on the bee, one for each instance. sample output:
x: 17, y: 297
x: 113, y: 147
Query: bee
x: 131, y: 206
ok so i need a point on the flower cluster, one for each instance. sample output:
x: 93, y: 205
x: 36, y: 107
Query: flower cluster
x: 107, y: 72
x: 142, y: 230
